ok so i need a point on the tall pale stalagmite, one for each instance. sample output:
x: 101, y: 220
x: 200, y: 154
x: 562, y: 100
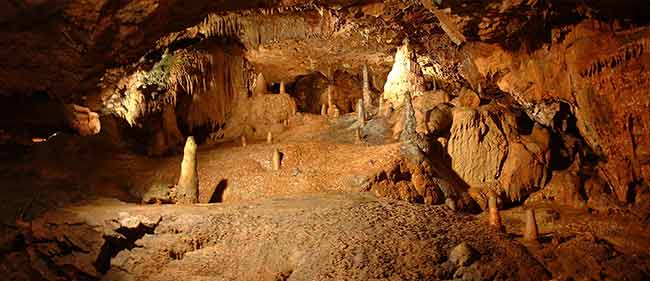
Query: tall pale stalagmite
x: 276, y: 159
x: 283, y: 90
x: 323, y: 110
x: 367, y: 99
x: 243, y: 141
x: 260, y: 85
x: 269, y: 138
x: 530, y: 232
x: 329, y: 100
x: 494, y: 216
x: 361, y: 113
x: 187, y: 189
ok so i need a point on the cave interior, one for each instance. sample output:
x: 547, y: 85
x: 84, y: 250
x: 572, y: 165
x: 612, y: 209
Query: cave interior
x: 325, y: 140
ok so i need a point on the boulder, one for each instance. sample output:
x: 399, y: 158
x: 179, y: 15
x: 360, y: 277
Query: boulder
x: 477, y: 146
x: 84, y: 121
x: 467, y: 98
x: 438, y: 121
x: 463, y: 254
x: 489, y: 154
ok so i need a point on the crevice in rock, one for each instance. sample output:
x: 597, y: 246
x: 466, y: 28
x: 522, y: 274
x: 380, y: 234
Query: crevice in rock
x: 124, y: 239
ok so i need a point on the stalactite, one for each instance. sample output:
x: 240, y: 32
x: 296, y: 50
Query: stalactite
x: 625, y: 53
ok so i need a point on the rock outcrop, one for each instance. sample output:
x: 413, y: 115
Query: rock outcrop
x: 82, y: 119
x: 487, y: 151
x: 605, y: 87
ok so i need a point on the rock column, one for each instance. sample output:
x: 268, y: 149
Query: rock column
x: 187, y: 189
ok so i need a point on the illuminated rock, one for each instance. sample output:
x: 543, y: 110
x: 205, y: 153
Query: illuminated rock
x: 187, y: 189
x: 405, y: 76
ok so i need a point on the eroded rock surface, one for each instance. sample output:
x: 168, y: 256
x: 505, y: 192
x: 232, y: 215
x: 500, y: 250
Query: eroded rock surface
x: 328, y: 237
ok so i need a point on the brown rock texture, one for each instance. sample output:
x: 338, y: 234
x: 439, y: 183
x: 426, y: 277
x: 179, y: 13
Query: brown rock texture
x: 82, y: 119
x: 604, y: 85
x: 489, y: 154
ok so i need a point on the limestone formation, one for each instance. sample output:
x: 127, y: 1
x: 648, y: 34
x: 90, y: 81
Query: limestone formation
x: 405, y: 76
x: 439, y: 120
x: 336, y: 113
x: 530, y: 231
x: 463, y: 254
x: 477, y: 146
x: 243, y: 141
x: 563, y: 188
x: 276, y: 160
x: 82, y: 119
x: 269, y: 138
x: 602, y: 89
x: 468, y: 98
x: 323, y: 110
x: 330, y: 101
x: 361, y: 113
x: 367, y: 98
x: 260, y: 86
x: 493, y: 209
x: 358, y: 135
x: 409, y: 133
x: 187, y: 188
x: 451, y: 204
x: 282, y: 89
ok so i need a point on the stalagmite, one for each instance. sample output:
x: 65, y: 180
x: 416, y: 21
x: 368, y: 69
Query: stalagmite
x: 269, y: 138
x: 187, y: 189
x: 494, y: 216
x: 530, y: 232
x: 282, y: 88
x: 358, y: 135
x: 260, y: 85
x: 243, y: 141
x: 336, y: 113
x: 361, y: 113
x: 323, y: 110
x: 330, y: 104
x: 409, y: 133
x: 276, y: 159
x: 367, y: 99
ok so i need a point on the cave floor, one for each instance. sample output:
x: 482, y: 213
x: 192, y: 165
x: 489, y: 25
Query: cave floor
x: 307, y: 221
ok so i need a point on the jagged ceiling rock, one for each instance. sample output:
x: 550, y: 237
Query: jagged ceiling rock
x: 63, y: 47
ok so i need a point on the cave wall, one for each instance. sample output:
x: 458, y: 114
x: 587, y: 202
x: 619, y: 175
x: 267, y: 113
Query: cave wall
x: 599, y: 69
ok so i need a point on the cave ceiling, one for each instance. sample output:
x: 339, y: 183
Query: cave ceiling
x: 63, y: 47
